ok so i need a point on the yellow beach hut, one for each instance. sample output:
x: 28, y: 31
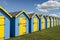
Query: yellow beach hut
x: 43, y: 21
x: 34, y: 22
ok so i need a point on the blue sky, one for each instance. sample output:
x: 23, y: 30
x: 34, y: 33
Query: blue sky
x: 16, y: 5
x: 29, y: 6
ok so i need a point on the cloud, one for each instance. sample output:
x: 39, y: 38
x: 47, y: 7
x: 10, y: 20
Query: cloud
x: 30, y: 12
x: 49, y: 5
x: 54, y: 15
x: 55, y: 0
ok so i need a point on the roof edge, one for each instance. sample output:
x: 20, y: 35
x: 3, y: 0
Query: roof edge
x: 21, y: 13
x: 5, y: 11
x: 36, y: 15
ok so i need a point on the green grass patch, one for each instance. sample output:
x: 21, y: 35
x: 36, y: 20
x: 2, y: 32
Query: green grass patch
x: 46, y: 34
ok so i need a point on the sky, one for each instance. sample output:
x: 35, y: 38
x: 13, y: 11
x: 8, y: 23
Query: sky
x: 30, y: 6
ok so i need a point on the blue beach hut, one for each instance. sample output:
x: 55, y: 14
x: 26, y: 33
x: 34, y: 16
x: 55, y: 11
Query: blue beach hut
x: 4, y: 24
x: 34, y: 22
x: 43, y: 21
x: 54, y: 19
x: 57, y: 22
x: 51, y: 21
x: 19, y: 23
x: 48, y: 21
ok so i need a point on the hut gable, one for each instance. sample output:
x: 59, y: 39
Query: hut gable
x: 44, y: 16
x: 1, y: 8
x: 5, y: 23
x: 33, y: 15
x: 17, y: 13
x: 14, y: 13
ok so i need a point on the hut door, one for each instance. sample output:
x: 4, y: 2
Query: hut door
x: 35, y: 24
x: 22, y: 26
x: 43, y: 23
x: 48, y: 20
x: 1, y: 27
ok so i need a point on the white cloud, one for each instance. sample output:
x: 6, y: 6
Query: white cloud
x: 30, y: 12
x: 55, y: 0
x: 49, y: 5
x: 54, y: 15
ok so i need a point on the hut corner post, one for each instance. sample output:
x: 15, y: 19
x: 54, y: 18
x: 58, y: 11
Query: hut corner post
x: 46, y: 23
x: 30, y: 25
x: 12, y: 27
x: 39, y: 24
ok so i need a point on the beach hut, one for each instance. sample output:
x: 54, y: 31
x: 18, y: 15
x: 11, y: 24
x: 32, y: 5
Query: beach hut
x: 43, y: 22
x: 19, y: 23
x: 59, y: 21
x: 34, y: 22
x: 48, y: 21
x: 4, y: 24
x: 51, y: 21
x: 54, y: 19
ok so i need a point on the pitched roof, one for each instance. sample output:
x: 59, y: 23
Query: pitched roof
x: 14, y: 13
x: 17, y: 13
x: 42, y: 15
x: 1, y: 8
x: 32, y: 15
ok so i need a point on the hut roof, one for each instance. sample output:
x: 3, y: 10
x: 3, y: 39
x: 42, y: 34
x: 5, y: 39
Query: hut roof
x: 5, y: 11
x: 32, y: 15
x: 17, y: 13
x: 42, y: 15
x: 14, y: 13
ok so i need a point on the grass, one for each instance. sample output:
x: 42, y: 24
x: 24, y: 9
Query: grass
x: 47, y: 34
